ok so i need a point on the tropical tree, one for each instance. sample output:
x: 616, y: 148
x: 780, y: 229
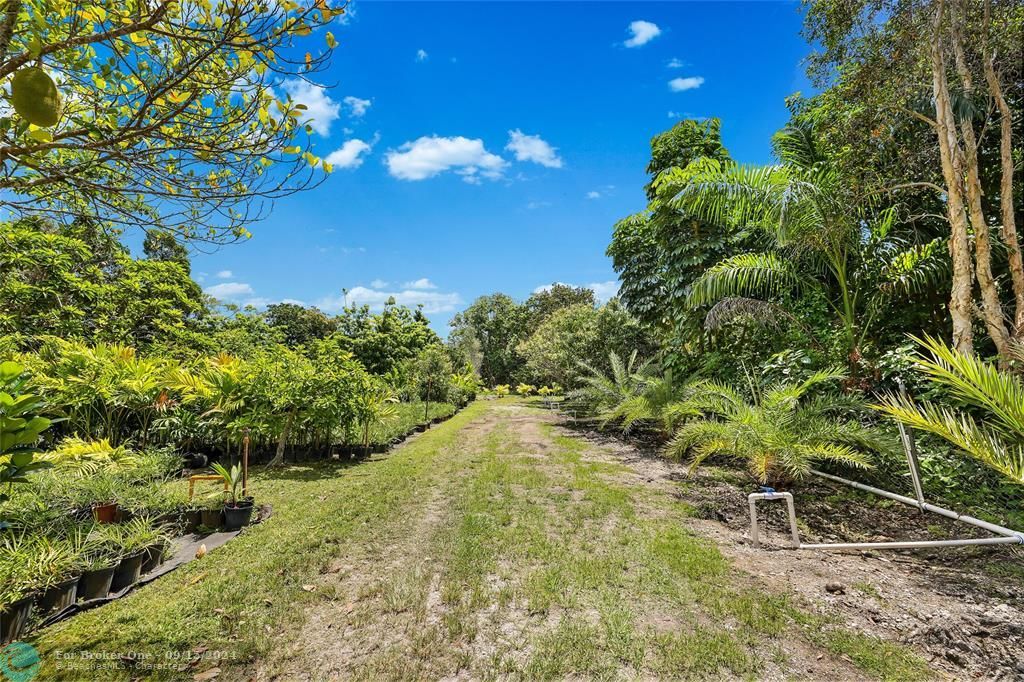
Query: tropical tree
x: 20, y: 428
x: 375, y: 405
x: 781, y: 433
x: 166, y: 114
x: 819, y: 235
x: 493, y: 325
x: 433, y: 372
x: 990, y: 427
x: 921, y: 101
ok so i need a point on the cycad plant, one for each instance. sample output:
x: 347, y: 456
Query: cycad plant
x: 632, y: 393
x: 993, y: 435
x: 781, y: 433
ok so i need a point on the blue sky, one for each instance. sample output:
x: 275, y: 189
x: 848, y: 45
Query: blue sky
x: 484, y: 147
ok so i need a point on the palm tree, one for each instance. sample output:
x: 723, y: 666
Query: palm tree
x: 818, y: 235
x: 781, y: 434
x: 997, y: 439
x: 632, y: 393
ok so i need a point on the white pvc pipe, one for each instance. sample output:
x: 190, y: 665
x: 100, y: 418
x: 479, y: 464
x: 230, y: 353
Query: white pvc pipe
x: 916, y: 544
x: 1017, y: 536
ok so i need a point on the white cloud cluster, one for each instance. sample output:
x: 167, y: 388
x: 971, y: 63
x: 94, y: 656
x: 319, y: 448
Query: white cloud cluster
x: 593, y: 194
x: 603, y: 291
x: 421, y: 283
x: 675, y: 63
x: 348, y: 155
x: 229, y: 291
x: 225, y: 274
x: 357, y: 105
x: 427, y: 157
x: 683, y: 84
x: 532, y: 148
x: 421, y: 55
x: 642, y: 32
x: 376, y: 298
x: 321, y: 110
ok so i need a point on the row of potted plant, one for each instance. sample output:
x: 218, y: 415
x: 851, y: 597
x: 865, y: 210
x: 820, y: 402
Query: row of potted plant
x: 347, y: 451
x: 41, y: 574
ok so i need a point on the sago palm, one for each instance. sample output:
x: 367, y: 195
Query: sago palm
x: 997, y: 438
x: 780, y: 434
x: 632, y: 393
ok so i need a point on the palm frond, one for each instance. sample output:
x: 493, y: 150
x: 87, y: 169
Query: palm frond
x: 959, y: 429
x: 763, y: 275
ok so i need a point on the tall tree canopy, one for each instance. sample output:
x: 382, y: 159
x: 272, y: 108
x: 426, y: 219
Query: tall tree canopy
x: 920, y: 95
x: 166, y: 113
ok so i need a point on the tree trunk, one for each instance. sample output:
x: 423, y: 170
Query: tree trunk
x: 1009, y: 229
x: 279, y: 456
x: 967, y: 158
x: 961, y: 298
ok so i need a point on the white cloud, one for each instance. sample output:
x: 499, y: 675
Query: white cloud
x: 378, y: 284
x: 603, y: 291
x: 225, y: 274
x: 675, y: 63
x: 592, y: 194
x: 348, y: 155
x: 642, y: 32
x: 430, y: 156
x: 532, y: 148
x: 358, y: 106
x: 229, y: 290
x: 688, y: 83
x: 674, y: 114
x: 321, y: 110
x: 421, y: 283
x: 421, y: 55
x: 534, y: 205
x: 432, y: 301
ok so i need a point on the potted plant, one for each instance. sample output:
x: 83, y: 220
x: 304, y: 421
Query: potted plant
x: 56, y: 571
x: 103, y: 493
x: 155, y: 553
x: 193, y: 516
x: 237, y: 511
x: 97, y: 575
x: 16, y: 599
x: 211, y: 514
x: 131, y: 541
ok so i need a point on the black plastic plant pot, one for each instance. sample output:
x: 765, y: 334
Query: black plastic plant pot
x: 127, y: 572
x: 59, y: 597
x: 235, y: 518
x: 153, y: 556
x: 95, y: 584
x: 193, y: 519
x: 379, y: 448
x: 14, y: 618
x: 420, y: 428
x: 211, y: 518
x: 195, y: 460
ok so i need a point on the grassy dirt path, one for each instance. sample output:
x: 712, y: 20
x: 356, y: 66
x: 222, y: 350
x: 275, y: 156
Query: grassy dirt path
x: 540, y: 555
x: 496, y: 546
